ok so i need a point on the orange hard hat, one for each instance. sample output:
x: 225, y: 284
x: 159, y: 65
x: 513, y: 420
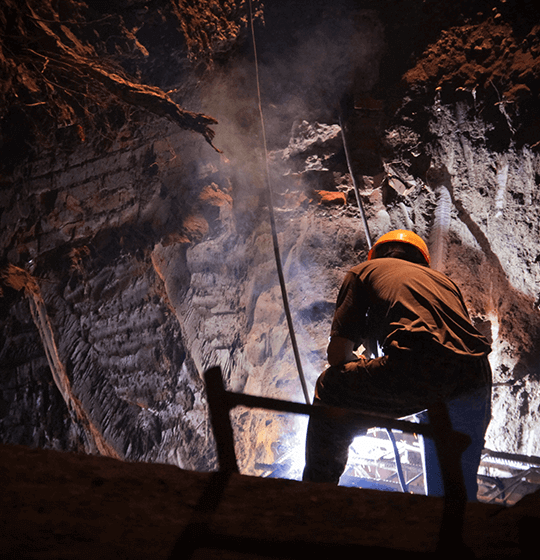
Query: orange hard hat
x: 402, y: 236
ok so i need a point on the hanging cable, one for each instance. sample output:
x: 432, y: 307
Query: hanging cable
x: 356, y: 192
x: 273, y: 221
x: 373, y: 350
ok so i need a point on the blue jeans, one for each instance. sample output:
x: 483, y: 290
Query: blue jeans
x: 470, y: 415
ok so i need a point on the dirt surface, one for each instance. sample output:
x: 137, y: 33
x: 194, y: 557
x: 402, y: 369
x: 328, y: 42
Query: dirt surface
x: 494, y: 62
x: 67, y: 506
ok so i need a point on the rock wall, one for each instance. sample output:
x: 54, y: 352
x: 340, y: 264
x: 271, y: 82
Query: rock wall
x: 114, y: 329
x: 493, y: 254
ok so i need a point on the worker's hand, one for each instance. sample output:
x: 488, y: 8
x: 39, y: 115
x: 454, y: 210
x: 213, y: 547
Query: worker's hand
x: 351, y: 367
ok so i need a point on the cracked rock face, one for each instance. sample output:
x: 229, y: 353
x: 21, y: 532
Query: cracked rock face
x: 136, y: 269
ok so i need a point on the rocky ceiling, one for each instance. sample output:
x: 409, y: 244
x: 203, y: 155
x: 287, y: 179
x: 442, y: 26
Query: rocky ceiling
x: 136, y: 245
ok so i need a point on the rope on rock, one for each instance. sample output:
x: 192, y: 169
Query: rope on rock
x: 273, y: 221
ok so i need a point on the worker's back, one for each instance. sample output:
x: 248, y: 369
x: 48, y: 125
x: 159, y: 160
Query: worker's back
x: 410, y: 307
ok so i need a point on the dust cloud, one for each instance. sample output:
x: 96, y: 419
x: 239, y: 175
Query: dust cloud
x: 302, y: 75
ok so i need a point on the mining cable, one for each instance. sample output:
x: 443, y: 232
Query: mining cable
x: 273, y: 222
x: 391, y: 437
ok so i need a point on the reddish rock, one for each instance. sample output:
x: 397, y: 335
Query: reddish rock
x: 331, y: 198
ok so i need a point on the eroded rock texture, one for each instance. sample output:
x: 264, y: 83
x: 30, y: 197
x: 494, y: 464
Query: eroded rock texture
x: 145, y: 260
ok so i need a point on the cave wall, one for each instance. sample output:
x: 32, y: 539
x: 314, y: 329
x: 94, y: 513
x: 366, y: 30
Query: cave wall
x: 492, y: 252
x: 153, y: 260
x: 114, y: 328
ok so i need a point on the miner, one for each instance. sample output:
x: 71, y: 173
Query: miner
x: 430, y: 352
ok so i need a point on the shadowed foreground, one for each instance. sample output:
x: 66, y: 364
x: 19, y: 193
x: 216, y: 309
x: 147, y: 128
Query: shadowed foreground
x: 68, y: 506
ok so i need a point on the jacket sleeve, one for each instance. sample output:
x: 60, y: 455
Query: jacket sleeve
x: 350, y: 316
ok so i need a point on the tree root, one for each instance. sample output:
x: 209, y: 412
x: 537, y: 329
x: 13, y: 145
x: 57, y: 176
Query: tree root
x: 151, y: 98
